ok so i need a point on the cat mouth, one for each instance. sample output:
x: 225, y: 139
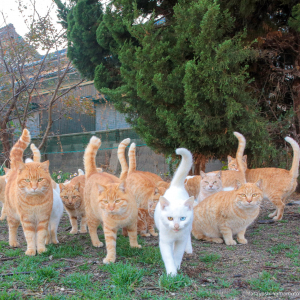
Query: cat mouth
x: 176, y: 230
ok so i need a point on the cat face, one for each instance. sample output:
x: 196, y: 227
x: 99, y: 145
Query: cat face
x: 113, y: 198
x: 152, y: 202
x: 176, y: 216
x: 233, y: 165
x: 70, y: 195
x: 34, y: 178
x: 249, y: 195
x: 211, y: 182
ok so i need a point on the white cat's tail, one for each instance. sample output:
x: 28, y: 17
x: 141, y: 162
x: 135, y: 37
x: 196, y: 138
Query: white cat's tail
x: 240, y: 152
x: 28, y: 160
x: 122, y: 158
x: 295, y: 166
x: 36, y: 153
x: 80, y: 172
x: 184, y: 167
x: 89, y: 158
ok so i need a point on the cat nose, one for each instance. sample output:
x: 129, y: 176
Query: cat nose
x: 249, y: 200
x: 111, y: 208
x: 176, y: 225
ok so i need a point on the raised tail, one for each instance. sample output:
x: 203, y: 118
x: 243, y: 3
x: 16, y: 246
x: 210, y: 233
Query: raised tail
x: 122, y: 158
x: 16, y: 153
x: 132, y: 158
x: 294, y: 171
x: 240, y: 152
x: 80, y: 172
x: 36, y: 153
x: 89, y: 158
x: 184, y: 167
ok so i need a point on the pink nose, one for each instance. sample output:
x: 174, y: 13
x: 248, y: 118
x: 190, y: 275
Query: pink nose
x: 249, y: 200
x: 176, y: 226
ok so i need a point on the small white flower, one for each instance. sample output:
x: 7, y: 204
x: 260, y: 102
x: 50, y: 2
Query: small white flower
x: 75, y: 174
x: 58, y: 177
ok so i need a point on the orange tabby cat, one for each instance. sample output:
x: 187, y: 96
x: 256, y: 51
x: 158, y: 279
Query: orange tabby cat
x: 28, y: 198
x: 229, y: 177
x: 109, y: 202
x: 225, y: 214
x: 72, y: 196
x: 145, y: 223
x: 2, y: 196
x: 278, y: 184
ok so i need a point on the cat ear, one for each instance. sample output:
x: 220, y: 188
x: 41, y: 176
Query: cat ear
x: 163, y: 202
x: 101, y: 188
x: 6, y: 170
x: 122, y: 187
x: 259, y: 184
x: 190, y: 202
x: 229, y: 158
x: 77, y: 186
x: 202, y: 174
x: 156, y: 191
x: 219, y: 174
x: 237, y: 185
x: 45, y: 166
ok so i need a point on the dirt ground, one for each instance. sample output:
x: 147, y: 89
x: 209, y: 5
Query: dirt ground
x: 268, y: 267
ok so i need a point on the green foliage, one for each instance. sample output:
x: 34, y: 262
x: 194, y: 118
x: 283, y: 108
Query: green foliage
x: 173, y: 283
x: 124, y: 276
x: 189, y: 81
x: 265, y: 283
x: 210, y: 257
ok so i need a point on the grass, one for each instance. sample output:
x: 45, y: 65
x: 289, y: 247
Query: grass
x: 125, y: 276
x: 278, y: 248
x: 209, y: 258
x: 265, y: 283
x: 173, y: 283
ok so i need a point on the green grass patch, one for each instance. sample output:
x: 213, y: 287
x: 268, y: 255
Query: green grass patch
x: 66, y: 250
x: 173, y: 283
x: 78, y: 281
x: 10, y: 295
x: 209, y: 258
x: 278, y: 248
x: 13, y: 252
x: 125, y: 276
x: 265, y: 283
x: 203, y: 293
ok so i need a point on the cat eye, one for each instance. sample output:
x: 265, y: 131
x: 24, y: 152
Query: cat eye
x: 66, y: 197
x: 40, y: 179
x: 206, y: 182
x: 74, y: 196
x: 27, y: 180
x: 254, y: 195
x: 117, y: 201
x: 214, y: 182
x: 243, y: 195
x: 105, y: 201
x: 182, y: 218
x: 170, y: 218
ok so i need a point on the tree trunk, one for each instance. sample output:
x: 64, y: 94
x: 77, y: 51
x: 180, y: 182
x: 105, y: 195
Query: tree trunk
x: 4, y: 137
x: 199, y: 163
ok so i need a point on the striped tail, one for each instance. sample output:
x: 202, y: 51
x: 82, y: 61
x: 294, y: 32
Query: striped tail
x: 89, y: 158
x: 184, y: 167
x: 240, y: 153
x: 36, y: 153
x: 16, y: 153
x: 132, y: 158
x: 294, y: 171
x: 122, y: 158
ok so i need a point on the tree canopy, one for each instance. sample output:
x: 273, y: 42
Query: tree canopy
x: 189, y: 73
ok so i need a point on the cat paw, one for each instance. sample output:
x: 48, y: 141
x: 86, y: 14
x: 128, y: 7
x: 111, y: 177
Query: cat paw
x: 218, y: 240
x: 98, y: 244
x: 73, y: 231
x: 108, y: 260
x: 145, y: 234
x: 83, y: 231
x: 136, y: 246
x: 30, y: 252
x: 276, y: 218
x: 41, y: 250
x: 55, y: 242
x: 242, y: 241
x: 231, y: 243
x: 272, y: 215
x: 154, y: 234
x: 14, y: 244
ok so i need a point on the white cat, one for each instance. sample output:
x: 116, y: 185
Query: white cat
x: 174, y: 217
x: 56, y: 214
